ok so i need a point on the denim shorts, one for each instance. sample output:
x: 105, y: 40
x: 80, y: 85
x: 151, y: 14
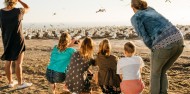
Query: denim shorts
x: 55, y: 77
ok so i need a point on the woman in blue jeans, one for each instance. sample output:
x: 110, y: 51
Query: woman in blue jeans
x: 163, y: 39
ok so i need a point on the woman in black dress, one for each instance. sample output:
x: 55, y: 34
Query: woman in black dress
x: 13, y: 39
x: 80, y: 62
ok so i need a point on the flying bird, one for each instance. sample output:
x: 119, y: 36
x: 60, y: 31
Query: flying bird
x: 54, y: 14
x: 101, y: 10
x: 168, y: 1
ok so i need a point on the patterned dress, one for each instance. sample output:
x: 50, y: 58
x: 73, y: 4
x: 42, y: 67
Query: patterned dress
x: 13, y: 39
x: 75, y: 80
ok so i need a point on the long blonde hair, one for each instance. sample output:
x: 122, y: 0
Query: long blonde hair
x: 86, y: 49
x: 105, y: 47
x: 139, y: 4
x: 64, y: 41
x: 10, y: 3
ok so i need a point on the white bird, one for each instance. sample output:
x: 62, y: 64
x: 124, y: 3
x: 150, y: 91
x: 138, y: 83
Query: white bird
x: 114, y: 36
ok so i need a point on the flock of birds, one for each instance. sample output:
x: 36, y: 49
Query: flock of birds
x: 168, y: 1
x: 99, y: 10
x: 104, y: 10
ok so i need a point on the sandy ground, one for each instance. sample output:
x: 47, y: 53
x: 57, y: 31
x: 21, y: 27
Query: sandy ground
x: 37, y: 57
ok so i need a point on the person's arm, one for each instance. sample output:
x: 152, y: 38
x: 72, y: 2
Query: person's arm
x: 142, y: 65
x: 141, y: 70
x: 139, y: 28
x: 96, y: 77
x: 26, y: 7
x: 118, y: 70
x: 121, y: 77
x: 72, y: 44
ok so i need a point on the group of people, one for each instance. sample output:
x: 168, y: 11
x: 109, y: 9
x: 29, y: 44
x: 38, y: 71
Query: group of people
x: 69, y: 66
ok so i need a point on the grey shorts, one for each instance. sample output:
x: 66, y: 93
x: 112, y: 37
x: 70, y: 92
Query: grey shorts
x: 55, y: 77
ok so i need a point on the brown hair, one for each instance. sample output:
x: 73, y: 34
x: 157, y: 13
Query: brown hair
x: 105, y: 47
x: 10, y: 3
x: 139, y: 4
x: 86, y: 49
x: 130, y: 47
x: 64, y: 41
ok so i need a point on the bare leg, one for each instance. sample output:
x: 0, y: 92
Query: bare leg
x: 65, y: 87
x: 8, y: 71
x: 18, y: 68
x: 52, y: 88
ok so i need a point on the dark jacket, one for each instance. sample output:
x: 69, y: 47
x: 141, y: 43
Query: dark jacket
x: 107, y: 70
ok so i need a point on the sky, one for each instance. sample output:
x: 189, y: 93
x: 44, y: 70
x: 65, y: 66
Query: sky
x: 118, y: 12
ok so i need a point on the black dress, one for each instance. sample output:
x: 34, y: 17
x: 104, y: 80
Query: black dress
x: 12, y: 37
x: 75, y: 76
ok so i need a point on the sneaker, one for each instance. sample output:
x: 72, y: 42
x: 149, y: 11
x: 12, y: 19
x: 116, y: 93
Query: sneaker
x: 24, y: 85
x: 13, y: 84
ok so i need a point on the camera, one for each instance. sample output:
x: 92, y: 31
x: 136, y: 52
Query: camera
x: 77, y: 39
x: 76, y: 42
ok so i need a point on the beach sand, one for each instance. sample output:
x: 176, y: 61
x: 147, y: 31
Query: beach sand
x: 38, y: 53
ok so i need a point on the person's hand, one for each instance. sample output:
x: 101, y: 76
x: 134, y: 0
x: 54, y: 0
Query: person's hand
x: 74, y: 43
x: 26, y: 7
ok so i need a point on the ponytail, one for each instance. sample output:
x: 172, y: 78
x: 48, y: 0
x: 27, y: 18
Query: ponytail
x: 139, y: 4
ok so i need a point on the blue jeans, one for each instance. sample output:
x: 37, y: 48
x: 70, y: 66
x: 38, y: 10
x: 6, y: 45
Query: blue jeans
x: 161, y: 61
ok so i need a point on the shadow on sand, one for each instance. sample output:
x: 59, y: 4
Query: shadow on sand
x: 6, y: 89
